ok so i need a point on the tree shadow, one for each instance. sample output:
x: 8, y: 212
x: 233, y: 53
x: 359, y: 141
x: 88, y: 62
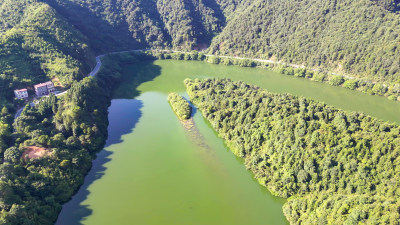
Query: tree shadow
x: 123, y: 118
x: 133, y: 76
x: 205, y: 34
x: 98, y: 30
x: 123, y: 114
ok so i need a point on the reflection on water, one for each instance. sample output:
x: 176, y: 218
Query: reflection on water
x: 123, y: 116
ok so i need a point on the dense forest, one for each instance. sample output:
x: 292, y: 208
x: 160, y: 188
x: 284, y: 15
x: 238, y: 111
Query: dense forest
x: 336, y: 167
x: 37, y: 44
x: 54, y: 38
x: 63, y: 134
x: 329, y: 161
x: 180, y: 106
x: 180, y: 24
x: 352, y: 37
x: 357, y: 38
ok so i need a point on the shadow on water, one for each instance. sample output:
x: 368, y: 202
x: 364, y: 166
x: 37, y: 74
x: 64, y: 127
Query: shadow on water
x: 123, y: 115
x: 144, y: 72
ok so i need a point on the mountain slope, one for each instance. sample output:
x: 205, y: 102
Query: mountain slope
x: 359, y: 38
x: 37, y: 44
x: 355, y: 37
x: 123, y: 24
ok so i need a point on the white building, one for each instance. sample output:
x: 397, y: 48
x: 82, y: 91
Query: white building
x: 21, y: 93
x: 44, y: 88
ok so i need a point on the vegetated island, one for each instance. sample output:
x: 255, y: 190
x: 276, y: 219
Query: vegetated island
x: 336, y: 167
x: 180, y: 106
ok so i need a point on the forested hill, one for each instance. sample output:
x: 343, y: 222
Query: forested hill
x: 119, y: 24
x: 337, y: 167
x: 37, y: 44
x: 360, y: 37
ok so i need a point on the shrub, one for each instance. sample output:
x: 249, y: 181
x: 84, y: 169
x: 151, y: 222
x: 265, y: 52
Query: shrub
x: 350, y: 84
x: 226, y: 61
x: 187, y: 57
x: 194, y: 55
x: 379, y: 89
x: 213, y: 59
x: 392, y: 98
x: 180, y: 106
x: 309, y: 74
x: 319, y: 77
x: 300, y: 72
x: 336, y: 80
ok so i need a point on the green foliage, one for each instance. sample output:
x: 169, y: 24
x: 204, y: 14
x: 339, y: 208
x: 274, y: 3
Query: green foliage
x: 336, y: 80
x: 379, y: 89
x: 300, y: 72
x: 245, y: 63
x: 71, y: 128
x: 391, y: 91
x: 12, y: 154
x: 38, y: 44
x: 350, y: 84
x: 180, y: 106
x: 318, y: 34
x: 213, y: 60
x: 337, y: 167
x: 5, y: 129
x: 319, y: 77
x: 180, y: 24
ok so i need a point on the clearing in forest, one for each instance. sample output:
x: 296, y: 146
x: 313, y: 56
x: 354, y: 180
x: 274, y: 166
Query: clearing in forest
x: 34, y: 152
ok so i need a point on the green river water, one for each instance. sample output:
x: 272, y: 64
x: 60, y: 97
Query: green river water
x: 153, y: 170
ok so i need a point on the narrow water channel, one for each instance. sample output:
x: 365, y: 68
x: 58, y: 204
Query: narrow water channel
x: 154, y: 170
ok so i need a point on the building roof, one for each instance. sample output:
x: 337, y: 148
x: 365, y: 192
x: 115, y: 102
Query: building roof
x: 43, y: 84
x: 21, y: 90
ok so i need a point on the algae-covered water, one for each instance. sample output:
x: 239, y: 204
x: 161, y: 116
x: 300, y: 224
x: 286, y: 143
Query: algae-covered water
x: 156, y: 170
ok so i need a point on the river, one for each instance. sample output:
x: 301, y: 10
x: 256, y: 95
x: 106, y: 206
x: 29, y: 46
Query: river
x: 153, y: 170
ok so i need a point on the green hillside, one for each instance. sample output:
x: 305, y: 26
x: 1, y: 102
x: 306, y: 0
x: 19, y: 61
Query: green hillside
x: 360, y: 37
x: 337, y: 167
x: 122, y: 24
x: 37, y: 44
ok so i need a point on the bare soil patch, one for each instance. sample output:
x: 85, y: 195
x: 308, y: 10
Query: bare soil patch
x: 33, y: 152
x: 57, y: 82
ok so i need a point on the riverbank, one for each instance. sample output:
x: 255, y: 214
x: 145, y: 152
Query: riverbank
x: 162, y: 173
x: 112, y: 76
x: 388, y: 90
x: 308, y: 151
x: 154, y: 78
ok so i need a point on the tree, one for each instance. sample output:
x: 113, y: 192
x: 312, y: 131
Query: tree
x: 12, y: 155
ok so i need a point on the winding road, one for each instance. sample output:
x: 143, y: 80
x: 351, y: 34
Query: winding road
x: 93, y: 73
x: 97, y: 68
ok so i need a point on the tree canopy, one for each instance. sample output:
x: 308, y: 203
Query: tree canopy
x: 336, y: 166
